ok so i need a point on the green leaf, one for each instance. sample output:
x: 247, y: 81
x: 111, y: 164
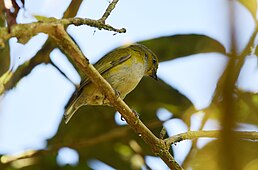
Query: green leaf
x: 45, y: 19
x: 176, y: 46
x: 251, y: 5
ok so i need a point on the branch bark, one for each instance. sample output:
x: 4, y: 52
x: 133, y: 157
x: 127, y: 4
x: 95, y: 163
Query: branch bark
x: 108, y: 11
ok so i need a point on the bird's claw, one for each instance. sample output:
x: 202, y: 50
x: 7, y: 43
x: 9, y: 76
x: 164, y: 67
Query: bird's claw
x: 117, y: 93
x: 136, y: 113
x: 122, y: 118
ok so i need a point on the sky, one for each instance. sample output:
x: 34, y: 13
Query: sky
x: 46, y: 89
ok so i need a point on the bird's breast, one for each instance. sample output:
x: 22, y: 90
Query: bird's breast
x: 125, y: 77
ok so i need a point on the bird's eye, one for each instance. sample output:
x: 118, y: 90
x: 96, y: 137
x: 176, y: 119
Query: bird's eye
x: 154, y: 61
x: 146, y: 56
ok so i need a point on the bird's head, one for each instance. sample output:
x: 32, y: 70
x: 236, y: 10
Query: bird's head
x: 151, y: 60
x: 152, y: 64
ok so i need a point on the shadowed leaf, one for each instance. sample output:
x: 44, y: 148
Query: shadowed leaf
x: 4, y: 58
x: 176, y: 46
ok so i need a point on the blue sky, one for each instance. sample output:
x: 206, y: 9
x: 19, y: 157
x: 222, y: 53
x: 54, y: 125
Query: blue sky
x: 36, y: 105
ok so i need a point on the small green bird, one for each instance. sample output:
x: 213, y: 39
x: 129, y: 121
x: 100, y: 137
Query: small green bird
x: 123, y: 68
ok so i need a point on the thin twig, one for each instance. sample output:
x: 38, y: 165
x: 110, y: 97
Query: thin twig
x: 108, y: 11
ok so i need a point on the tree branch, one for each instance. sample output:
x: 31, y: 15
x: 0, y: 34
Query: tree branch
x: 208, y: 134
x: 9, y: 79
x: 25, y: 31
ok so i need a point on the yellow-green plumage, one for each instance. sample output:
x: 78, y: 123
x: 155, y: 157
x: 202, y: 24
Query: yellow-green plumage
x: 123, y: 68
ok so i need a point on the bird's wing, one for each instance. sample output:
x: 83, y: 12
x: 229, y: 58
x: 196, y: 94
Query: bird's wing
x: 101, y: 68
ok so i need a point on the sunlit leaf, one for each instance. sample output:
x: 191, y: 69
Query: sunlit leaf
x: 247, y: 107
x: 45, y: 19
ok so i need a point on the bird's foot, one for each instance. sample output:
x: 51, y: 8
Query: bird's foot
x: 117, y: 93
x: 136, y: 113
x: 122, y: 118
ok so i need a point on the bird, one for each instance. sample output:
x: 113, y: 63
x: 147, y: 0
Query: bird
x: 123, y: 68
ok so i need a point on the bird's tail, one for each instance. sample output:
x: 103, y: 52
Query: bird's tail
x: 70, y: 110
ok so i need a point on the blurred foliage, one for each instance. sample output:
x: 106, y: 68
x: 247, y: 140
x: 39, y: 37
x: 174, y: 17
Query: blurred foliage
x: 207, y: 157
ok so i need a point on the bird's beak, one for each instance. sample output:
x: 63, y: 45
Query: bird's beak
x: 154, y: 74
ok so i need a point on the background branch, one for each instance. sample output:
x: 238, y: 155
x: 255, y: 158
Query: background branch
x: 118, y: 132
x: 224, y: 96
x: 209, y: 134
